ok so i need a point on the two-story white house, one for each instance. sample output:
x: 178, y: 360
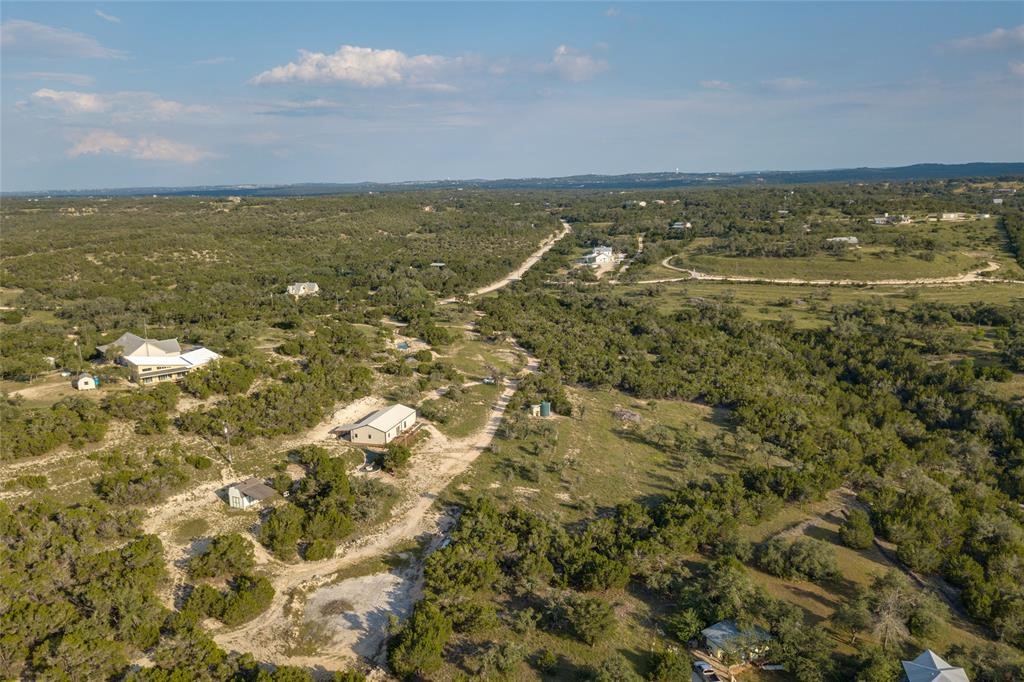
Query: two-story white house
x: 152, y: 360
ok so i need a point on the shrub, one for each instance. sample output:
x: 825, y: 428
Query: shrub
x: 805, y: 558
x: 416, y: 648
x: 282, y: 530
x: 671, y: 666
x: 318, y: 550
x: 199, y: 462
x: 227, y: 555
x: 588, y: 618
x: 250, y: 596
x: 395, y: 458
x: 856, y: 532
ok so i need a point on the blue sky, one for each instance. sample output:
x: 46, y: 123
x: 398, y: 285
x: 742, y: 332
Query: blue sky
x: 129, y: 94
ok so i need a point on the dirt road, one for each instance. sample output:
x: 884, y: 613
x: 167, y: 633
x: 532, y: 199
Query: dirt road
x: 966, y: 278
x: 435, y: 465
x: 518, y: 273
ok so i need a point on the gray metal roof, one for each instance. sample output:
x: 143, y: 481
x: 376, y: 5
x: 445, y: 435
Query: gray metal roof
x: 132, y: 344
x: 722, y: 633
x: 255, y: 488
x: 928, y: 667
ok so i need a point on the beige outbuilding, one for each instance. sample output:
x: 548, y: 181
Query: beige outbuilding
x: 381, y: 427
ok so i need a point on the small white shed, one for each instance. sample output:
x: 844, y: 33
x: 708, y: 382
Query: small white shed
x: 83, y: 382
x: 247, y: 493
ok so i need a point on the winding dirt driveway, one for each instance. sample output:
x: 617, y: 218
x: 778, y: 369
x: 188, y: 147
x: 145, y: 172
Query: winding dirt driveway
x: 438, y: 462
x: 972, y: 277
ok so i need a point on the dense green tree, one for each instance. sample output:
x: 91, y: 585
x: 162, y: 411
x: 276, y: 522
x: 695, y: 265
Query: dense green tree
x: 416, y: 647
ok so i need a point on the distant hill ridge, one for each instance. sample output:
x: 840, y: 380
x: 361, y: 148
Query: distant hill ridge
x: 921, y: 171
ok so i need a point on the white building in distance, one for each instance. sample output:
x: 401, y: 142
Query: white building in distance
x: 601, y: 255
x: 300, y: 289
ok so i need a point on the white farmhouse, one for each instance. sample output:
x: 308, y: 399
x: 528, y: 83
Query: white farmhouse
x: 381, y: 427
x: 300, y: 289
x: 154, y: 360
x: 247, y: 493
x: 601, y: 255
x: 852, y: 241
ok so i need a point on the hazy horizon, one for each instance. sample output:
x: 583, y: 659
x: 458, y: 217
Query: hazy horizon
x: 160, y: 94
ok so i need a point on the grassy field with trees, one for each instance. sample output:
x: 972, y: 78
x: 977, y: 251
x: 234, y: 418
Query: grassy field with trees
x: 842, y: 466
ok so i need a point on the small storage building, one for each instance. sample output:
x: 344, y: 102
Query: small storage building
x: 247, y: 493
x: 83, y: 382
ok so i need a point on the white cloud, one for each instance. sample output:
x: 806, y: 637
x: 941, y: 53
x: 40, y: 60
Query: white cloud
x: 574, y: 66
x: 363, y: 66
x: 716, y: 85
x: 997, y: 39
x: 107, y: 17
x: 213, y: 60
x: 79, y: 79
x: 20, y: 38
x: 1017, y: 69
x: 71, y: 101
x: 123, y: 106
x: 788, y: 84
x: 144, y: 147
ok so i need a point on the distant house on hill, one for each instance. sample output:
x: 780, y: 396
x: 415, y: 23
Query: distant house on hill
x: 997, y: 200
x: 249, y: 492
x: 599, y: 256
x: 300, y: 289
x: 928, y: 667
x: 888, y: 219
x: 681, y: 225
x: 953, y: 216
x: 381, y: 427
x: 152, y: 360
x: 851, y: 241
x: 726, y: 641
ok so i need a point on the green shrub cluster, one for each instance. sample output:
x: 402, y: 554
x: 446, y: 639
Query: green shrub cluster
x: 320, y: 508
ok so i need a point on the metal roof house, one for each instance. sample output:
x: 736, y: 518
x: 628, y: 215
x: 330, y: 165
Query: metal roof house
x: 599, y: 256
x: 928, y: 667
x: 130, y: 344
x: 381, y: 427
x: 725, y: 640
x: 247, y: 493
x: 152, y: 360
